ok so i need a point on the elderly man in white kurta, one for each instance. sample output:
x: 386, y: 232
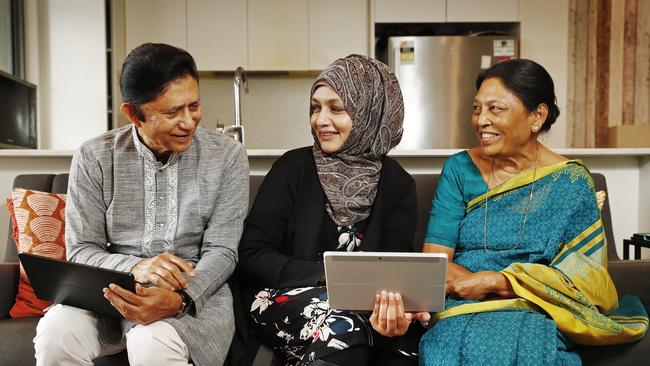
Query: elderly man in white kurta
x: 164, y: 200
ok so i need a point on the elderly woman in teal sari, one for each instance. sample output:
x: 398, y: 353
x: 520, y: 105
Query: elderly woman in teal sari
x: 527, y: 277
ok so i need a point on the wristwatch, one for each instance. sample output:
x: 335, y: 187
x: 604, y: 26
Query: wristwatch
x: 187, y: 303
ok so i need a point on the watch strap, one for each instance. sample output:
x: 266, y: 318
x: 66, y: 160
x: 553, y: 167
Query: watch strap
x: 187, y: 303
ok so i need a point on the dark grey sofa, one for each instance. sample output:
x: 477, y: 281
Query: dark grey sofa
x: 16, y: 347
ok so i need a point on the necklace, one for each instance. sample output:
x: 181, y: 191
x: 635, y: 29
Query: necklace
x: 523, y: 225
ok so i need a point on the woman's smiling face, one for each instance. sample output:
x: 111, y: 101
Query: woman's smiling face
x: 330, y: 121
x: 501, y: 121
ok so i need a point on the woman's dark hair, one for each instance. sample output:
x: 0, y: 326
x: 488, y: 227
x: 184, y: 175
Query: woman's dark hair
x: 148, y: 70
x: 527, y: 80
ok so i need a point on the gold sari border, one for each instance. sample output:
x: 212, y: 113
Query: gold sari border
x: 486, y: 306
x: 521, y: 180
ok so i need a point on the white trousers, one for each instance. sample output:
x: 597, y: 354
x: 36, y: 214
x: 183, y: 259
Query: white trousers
x: 69, y: 336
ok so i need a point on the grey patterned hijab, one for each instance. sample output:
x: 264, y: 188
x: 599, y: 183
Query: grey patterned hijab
x: 373, y: 100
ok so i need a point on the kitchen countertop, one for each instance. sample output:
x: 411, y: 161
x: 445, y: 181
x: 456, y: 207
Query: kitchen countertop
x: 577, y: 152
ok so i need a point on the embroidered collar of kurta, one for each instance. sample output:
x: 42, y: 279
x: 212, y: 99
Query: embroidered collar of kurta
x: 160, y: 198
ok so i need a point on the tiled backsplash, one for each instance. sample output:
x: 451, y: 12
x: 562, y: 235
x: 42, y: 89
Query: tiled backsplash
x: 275, y: 111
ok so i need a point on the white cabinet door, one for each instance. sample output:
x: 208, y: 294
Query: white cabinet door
x: 278, y: 35
x: 334, y: 34
x: 482, y: 11
x: 217, y: 33
x: 158, y: 21
x: 409, y: 11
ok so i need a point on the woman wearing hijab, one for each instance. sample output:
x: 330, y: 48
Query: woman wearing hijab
x: 343, y: 193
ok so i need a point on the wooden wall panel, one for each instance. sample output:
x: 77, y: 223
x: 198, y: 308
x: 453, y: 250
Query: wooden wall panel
x: 609, y: 68
x: 571, y: 75
x: 642, y: 77
x: 629, y: 61
x: 617, y: 33
x: 577, y: 104
x: 592, y: 21
x: 601, y: 120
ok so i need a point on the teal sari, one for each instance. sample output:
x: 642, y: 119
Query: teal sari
x: 556, y: 265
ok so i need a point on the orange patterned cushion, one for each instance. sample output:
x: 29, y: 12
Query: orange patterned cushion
x: 38, y: 220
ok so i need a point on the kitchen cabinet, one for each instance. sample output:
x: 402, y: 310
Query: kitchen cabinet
x: 217, y: 34
x: 278, y: 35
x: 482, y: 11
x: 410, y: 11
x: 158, y: 21
x: 441, y: 11
x: 334, y: 34
x: 260, y: 35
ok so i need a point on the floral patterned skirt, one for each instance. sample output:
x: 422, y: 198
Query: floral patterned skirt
x: 299, y: 324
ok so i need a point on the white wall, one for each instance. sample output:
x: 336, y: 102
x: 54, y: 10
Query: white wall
x: 623, y: 181
x: 544, y: 39
x: 32, y: 70
x: 644, y: 195
x: 66, y: 59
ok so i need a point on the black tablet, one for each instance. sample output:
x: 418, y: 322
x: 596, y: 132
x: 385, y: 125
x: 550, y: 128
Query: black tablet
x: 74, y: 284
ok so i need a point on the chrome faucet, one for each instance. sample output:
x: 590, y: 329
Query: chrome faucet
x: 240, y: 78
x: 237, y: 130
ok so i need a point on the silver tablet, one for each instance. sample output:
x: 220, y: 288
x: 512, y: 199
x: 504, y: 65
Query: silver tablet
x: 353, y: 279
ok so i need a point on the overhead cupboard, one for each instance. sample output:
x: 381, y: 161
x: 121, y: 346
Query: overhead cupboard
x: 289, y: 35
x: 445, y: 11
x: 260, y: 35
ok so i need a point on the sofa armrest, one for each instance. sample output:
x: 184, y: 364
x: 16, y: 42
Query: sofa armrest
x: 9, y: 273
x: 632, y: 277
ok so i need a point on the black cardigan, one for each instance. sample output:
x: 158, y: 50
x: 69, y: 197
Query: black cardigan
x: 279, y: 247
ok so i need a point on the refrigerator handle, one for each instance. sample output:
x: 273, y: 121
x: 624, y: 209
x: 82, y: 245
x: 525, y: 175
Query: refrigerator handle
x: 396, y: 54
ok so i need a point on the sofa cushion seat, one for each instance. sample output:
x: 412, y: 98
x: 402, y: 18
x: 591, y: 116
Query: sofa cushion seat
x: 17, y: 341
x: 620, y: 354
x: 630, y: 277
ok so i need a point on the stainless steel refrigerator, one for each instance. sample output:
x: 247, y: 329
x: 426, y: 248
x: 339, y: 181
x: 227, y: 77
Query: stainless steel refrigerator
x: 437, y: 76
